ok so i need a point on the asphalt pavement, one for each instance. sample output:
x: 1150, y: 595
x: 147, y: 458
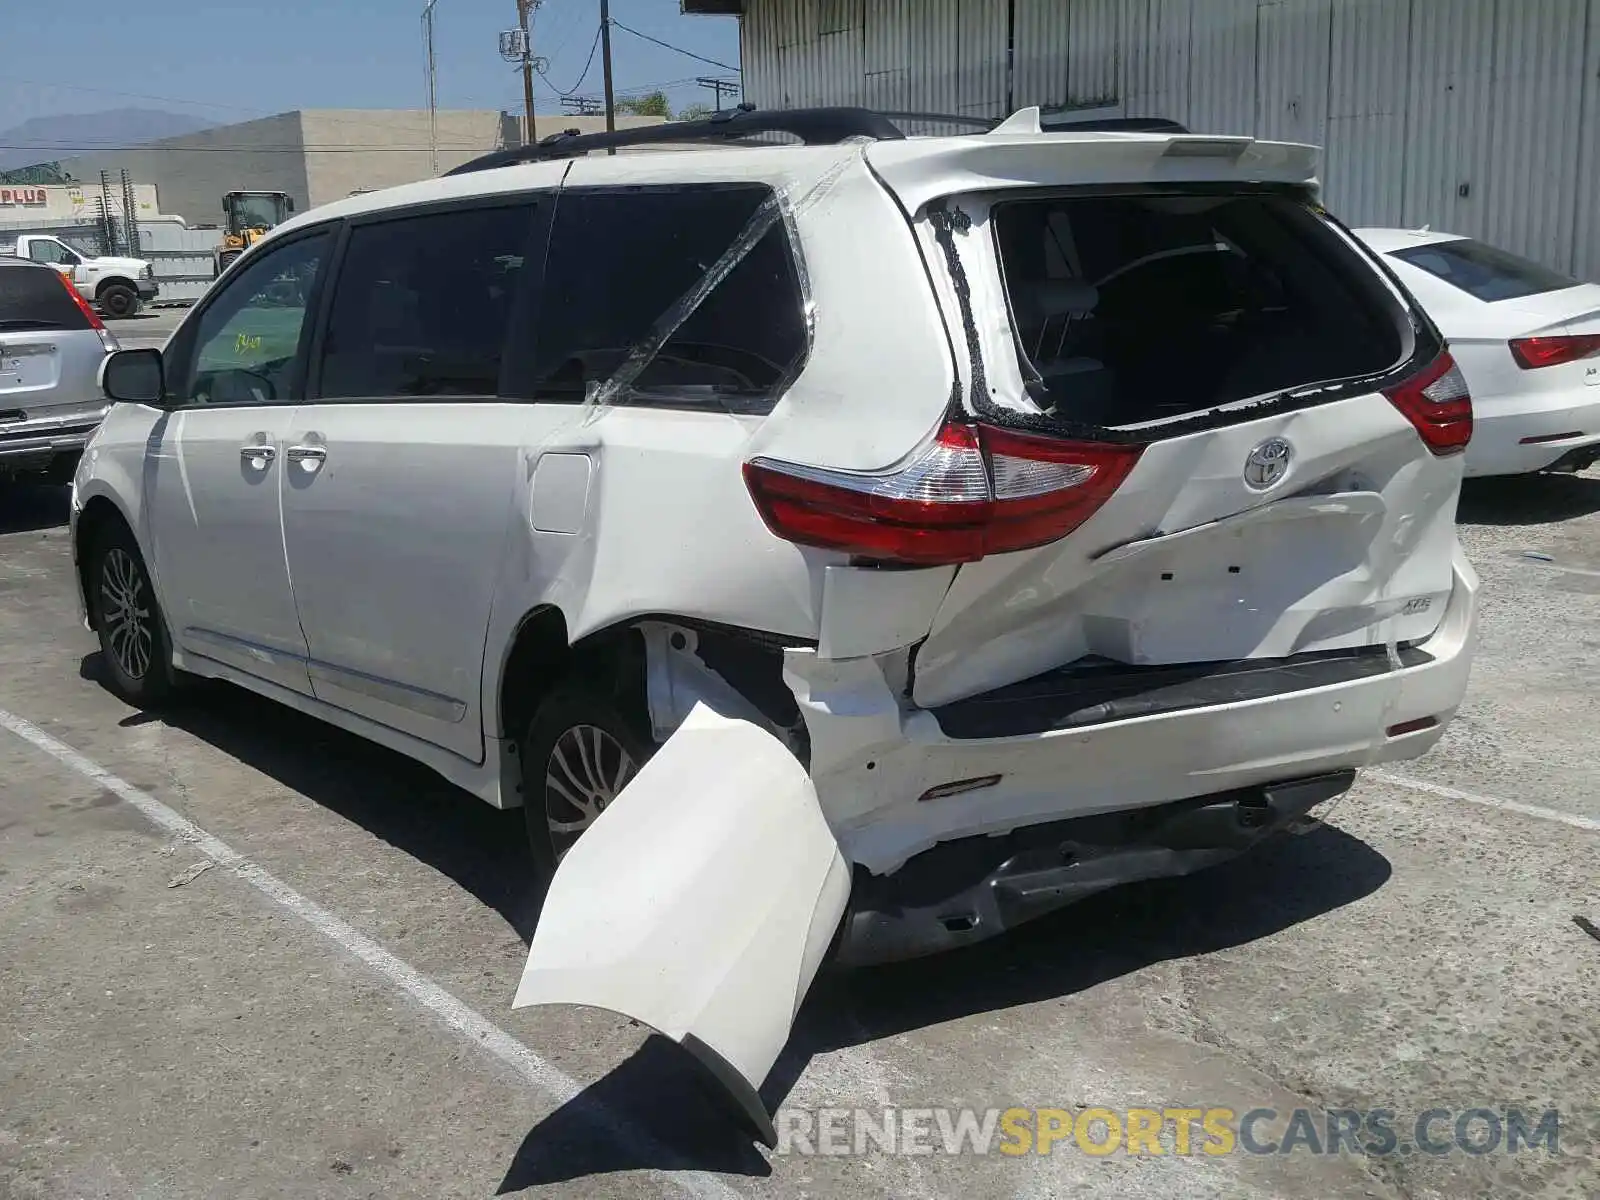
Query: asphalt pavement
x: 150, y: 327
x: 245, y: 954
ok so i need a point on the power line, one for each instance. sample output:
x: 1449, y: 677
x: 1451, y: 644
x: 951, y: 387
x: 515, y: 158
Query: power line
x: 573, y: 90
x: 78, y: 87
x: 637, y: 90
x: 568, y: 27
x: 670, y: 46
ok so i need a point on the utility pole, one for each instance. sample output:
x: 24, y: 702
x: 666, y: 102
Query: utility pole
x: 719, y: 86
x: 523, y: 8
x: 605, y: 62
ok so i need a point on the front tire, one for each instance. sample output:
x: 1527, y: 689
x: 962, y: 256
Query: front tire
x: 577, y: 756
x: 133, y: 634
x: 119, y: 300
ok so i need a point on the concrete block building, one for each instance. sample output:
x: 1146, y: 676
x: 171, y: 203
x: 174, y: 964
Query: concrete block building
x: 316, y: 155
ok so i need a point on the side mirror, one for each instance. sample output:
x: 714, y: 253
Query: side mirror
x: 290, y: 200
x: 133, y: 377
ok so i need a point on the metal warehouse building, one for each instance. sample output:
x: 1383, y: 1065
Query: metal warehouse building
x: 1480, y: 117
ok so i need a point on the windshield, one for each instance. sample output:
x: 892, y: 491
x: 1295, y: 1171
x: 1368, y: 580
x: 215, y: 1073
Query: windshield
x: 258, y: 211
x: 1484, y: 271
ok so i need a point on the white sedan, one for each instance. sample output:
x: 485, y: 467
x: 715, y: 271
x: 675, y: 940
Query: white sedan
x: 1526, y: 337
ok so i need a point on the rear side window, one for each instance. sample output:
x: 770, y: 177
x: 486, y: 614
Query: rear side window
x: 422, y: 304
x: 621, y: 260
x: 1137, y: 308
x: 1486, y: 272
x: 36, y: 298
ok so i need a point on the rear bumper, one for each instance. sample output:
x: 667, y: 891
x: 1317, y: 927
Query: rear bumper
x: 34, y: 443
x: 970, y: 890
x: 873, y: 761
x: 1570, y: 419
x: 1098, y: 692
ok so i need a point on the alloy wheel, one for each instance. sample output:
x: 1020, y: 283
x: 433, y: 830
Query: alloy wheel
x: 125, y: 612
x: 587, y: 770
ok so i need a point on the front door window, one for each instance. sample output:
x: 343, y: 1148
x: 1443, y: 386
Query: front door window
x: 53, y: 253
x: 247, y: 343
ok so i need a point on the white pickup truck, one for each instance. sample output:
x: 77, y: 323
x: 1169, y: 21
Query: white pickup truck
x: 118, y: 286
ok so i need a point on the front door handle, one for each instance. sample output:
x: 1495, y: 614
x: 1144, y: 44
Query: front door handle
x: 258, y: 457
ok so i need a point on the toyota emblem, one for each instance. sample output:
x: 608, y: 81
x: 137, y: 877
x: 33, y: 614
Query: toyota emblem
x: 1267, y: 464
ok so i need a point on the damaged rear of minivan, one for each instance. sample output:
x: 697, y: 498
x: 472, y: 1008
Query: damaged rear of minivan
x: 1174, y: 559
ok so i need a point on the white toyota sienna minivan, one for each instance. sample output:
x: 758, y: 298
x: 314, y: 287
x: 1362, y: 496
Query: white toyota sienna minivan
x: 865, y: 544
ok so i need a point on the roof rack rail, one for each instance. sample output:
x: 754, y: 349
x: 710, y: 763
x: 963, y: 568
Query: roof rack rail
x: 942, y: 118
x: 1115, y: 125
x: 813, y: 126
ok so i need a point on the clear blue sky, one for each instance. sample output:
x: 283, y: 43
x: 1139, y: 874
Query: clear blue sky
x: 230, y: 60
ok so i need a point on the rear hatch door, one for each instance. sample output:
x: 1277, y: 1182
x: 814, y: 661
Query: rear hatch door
x: 1187, y: 297
x: 49, y: 352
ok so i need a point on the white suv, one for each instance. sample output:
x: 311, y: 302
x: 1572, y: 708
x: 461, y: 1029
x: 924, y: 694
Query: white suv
x: 888, y: 539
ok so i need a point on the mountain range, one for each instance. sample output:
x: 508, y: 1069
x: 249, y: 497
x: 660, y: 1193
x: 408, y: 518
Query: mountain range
x: 47, y: 139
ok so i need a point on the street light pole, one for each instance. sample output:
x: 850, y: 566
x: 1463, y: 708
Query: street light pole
x: 433, y: 95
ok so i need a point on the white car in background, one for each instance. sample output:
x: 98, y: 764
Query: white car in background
x: 1527, y: 338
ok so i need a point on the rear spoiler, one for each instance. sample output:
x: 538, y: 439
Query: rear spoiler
x: 1014, y: 155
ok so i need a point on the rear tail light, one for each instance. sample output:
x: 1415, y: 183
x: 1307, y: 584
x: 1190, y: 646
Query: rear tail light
x: 976, y: 490
x: 1437, y: 402
x: 107, y: 338
x: 1532, y: 353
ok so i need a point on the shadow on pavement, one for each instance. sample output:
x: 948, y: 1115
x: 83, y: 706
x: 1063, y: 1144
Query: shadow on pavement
x: 29, y: 507
x: 641, y: 1116
x: 1527, y: 499
x: 483, y: 849
x: 1284, y: 883
x: 657, y: 1109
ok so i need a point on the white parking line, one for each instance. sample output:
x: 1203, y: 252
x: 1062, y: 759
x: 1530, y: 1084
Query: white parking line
x: 1516, y: 806
x: 472, y: 1025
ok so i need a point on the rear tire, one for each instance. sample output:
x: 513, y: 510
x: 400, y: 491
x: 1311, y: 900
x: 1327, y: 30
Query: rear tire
x: 578, y: 754
x: 133, y: 633
x: 119, y: 300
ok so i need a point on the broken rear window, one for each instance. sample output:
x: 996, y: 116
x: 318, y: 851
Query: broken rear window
x: 1136, y: 308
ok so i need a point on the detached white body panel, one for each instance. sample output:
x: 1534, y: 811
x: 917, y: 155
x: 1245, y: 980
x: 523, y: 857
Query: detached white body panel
x: 701, y: 903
